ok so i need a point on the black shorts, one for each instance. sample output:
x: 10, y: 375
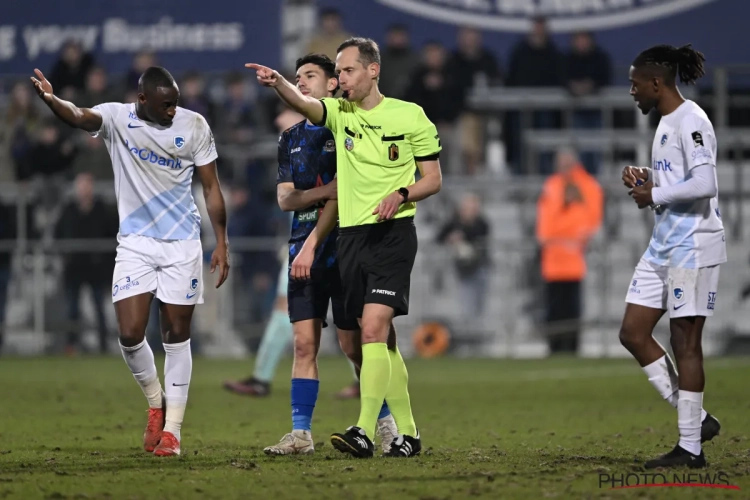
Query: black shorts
x: 375, y: 261
x: 309, y: 299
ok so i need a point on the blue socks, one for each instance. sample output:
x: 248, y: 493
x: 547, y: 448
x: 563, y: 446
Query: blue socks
x: 384, y: 411
x: 276, y: 338
x: 304, y: 396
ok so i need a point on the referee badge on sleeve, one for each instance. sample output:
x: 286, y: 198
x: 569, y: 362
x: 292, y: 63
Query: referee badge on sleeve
x: 393, y: 152
x: 349, y: 143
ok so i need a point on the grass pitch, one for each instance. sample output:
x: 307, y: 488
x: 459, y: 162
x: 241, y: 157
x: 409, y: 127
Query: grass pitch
x: 72, y: 428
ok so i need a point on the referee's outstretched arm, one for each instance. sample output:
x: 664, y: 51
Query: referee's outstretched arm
x: 309, y: 107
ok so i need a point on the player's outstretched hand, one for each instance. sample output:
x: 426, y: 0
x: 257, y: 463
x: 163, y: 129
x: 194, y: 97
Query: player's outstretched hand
x: 42, y: 86
x: 630, y: 176
x: 641, y: 193
x: 266, y: 76
x: 388, y: 207
x: 220, y: 259
x: 302, y: 263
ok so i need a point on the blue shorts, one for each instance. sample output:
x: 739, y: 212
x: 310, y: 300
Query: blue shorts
x: 309, y: 299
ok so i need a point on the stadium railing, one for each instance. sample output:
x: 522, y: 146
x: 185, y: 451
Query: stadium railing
x: 511, y: 323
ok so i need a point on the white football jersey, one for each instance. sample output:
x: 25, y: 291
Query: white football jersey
x: 153, y: 167
x: 691, y: 234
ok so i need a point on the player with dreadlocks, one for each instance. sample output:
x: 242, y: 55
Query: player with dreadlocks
x: 679, y: 272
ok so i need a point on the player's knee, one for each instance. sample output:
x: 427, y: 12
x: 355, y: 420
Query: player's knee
x: 176, y: 333
x: 630, y: 338
x: 373, y: 332
x: 131, y: 334
x: 352, y: 351
x: 376, y: 323
x: 305, y: 349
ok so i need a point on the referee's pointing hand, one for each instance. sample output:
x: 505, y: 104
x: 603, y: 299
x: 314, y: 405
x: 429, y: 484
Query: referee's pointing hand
x: 266, y: 76
x: 388, y: 207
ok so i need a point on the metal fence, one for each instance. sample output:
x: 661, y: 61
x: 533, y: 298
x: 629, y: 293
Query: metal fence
x: 510, y: 323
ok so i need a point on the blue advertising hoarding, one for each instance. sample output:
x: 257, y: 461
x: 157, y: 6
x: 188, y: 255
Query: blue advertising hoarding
x: 186, y: 34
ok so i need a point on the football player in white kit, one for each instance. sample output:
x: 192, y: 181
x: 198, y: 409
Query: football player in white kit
x: 679, y: 272
x: 155, y: 147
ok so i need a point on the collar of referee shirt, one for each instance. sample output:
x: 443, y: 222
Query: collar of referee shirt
x: 359, y: 104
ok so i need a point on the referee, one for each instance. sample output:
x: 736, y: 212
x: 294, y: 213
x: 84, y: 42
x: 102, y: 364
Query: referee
x: 379, y: 140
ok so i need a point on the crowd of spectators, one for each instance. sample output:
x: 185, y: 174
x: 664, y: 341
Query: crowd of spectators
x: 42, y: 155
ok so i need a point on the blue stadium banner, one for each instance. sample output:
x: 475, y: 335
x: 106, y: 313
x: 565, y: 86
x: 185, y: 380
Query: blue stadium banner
x: 185, y: 34
x: 562, y: 15
x: 621, y: 27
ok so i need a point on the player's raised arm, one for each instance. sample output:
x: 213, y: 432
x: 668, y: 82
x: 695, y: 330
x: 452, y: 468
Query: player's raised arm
x: 309, y: 107
x: 87, y: 119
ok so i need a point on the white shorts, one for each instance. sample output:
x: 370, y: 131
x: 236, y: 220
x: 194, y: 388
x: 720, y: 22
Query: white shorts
x: 681, y: 292
x: 170, y: 269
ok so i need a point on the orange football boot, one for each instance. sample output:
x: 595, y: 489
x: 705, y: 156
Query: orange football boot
x: 168, y: 446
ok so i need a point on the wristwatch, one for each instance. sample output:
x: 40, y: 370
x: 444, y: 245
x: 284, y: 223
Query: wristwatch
x: 405, y: 193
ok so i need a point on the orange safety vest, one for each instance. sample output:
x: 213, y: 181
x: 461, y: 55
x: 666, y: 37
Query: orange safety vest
x: 563, y: 231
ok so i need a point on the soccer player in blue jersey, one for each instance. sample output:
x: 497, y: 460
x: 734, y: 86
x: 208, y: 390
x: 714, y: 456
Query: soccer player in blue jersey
x: 306, y: 179
x: 278, y: 332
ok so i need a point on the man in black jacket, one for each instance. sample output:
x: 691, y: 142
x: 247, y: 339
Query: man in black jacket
x: 587, y: 69
x: 467, y: 235
x: 87, y: 217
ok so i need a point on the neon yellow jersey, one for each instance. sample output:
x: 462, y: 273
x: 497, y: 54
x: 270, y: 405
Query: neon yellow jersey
x: 376, y: 153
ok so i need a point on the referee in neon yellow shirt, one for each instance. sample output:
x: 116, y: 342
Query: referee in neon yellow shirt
x: 379, y: 141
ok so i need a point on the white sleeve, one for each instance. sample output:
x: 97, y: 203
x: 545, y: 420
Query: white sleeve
x: 204, y: 151
x: 698, y: 141
x: 701, y: 184
x: 109, y: 111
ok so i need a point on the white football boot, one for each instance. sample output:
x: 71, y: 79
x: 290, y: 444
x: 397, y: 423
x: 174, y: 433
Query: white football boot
x: 294, y: 443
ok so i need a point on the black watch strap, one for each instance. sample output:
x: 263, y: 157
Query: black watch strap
x: 405, y: 193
